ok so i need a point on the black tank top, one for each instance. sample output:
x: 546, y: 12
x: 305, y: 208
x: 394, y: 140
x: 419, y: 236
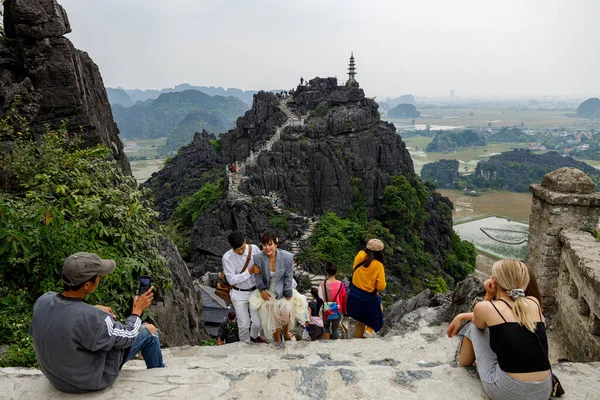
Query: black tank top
x: 518, y: 349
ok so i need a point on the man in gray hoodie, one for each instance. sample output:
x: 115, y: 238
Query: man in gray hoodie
x: 79, y: 347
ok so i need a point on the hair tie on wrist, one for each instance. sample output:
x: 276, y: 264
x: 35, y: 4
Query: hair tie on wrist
x: 516, y: 293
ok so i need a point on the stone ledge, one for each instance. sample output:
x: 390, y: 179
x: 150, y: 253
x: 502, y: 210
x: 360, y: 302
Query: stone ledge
x: 418, y: 365
x: 584, y: 250
x: 572, y: 199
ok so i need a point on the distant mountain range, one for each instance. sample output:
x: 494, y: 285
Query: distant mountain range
x: 177, y: 115
x: 128, y: 97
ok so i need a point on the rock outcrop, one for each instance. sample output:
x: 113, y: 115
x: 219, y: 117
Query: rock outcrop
x: 404, y: 111
x: 428, y: 309
x: 443, y: 173
x: 447, y: 141
x: 312, y: 167
x: 208, y: 236
x: 516, y: 170
x: 589, y: 109
x: 196, y: 164
x: 179, y: 310
x: 49, y: 81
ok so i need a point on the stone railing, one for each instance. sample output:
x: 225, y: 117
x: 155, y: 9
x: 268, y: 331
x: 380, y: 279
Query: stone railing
x: 578, y: 294
x: 566, y: 258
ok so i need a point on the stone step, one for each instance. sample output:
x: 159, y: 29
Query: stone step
x: 418, y: 365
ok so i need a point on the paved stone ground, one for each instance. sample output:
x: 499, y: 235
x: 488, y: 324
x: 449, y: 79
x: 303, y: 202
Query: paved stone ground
x: 419, y: 365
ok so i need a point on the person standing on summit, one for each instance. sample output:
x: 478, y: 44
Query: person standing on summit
x: 239, y: 269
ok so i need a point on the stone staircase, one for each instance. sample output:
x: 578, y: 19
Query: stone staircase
x: 418, y: 365
x: 236, y: 178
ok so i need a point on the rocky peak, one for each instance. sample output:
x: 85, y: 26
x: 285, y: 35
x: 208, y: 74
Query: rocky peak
x: 196, y: 164
x: 49, y: 80
x: 254, y: 128
x: 35, y: 19
x: 326, y: 90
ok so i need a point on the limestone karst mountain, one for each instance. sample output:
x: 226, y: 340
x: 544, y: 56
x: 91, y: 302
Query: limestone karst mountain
x: 49, y: 81
x: 324, y: 149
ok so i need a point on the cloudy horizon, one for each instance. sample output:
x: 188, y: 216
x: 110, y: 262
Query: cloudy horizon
x: 514, y: 48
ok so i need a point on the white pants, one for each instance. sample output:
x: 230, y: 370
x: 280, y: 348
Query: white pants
x: 246, y: 315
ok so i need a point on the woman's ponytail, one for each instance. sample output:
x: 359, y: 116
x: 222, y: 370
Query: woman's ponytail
x: 513, y: 276
x: 524, y: 313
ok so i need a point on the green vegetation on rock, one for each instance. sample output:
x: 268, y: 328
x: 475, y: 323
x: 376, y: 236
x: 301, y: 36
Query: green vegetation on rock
x: 190, y: 208
x: 403, y: 214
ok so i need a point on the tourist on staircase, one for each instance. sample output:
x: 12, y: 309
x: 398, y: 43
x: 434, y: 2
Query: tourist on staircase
x: 238, y: 267
x: 368, y: 278
x: 332, y: 291
x: 276, y: 300
x: 512, y: 354
x: 228, y: 330
x: 315, y: 323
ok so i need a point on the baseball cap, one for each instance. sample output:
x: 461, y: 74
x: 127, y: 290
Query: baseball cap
x: 375, y: 245
x: 81, y: 267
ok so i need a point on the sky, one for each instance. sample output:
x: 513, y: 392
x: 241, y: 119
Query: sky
x: 479, y: 48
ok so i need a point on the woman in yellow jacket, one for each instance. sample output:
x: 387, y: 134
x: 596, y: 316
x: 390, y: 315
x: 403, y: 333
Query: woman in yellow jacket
x: 368, y: 278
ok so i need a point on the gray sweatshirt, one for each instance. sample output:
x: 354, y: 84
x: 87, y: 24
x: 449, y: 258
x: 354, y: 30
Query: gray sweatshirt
x: 284, y: 273
x: 79, y: 347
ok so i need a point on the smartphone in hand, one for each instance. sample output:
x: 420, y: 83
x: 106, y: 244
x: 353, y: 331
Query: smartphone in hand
x: 145, y: 284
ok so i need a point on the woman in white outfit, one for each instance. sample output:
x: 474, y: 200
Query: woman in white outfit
x: 278, y: 304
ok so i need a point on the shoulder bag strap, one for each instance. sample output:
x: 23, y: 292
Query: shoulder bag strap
x: 325, y: 289
x: 339, y: 290
x: 247, y: 259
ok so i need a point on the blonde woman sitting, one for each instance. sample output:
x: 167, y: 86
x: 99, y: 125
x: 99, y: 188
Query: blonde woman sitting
x: 512, y: 355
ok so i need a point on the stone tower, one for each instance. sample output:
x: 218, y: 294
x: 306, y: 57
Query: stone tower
x: 352, y: 73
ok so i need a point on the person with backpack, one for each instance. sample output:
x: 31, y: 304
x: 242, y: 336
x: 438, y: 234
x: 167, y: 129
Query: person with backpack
x: 368, y: 278
x: 333, y: 293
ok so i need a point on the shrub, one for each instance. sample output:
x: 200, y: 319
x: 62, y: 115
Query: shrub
x: 217, y: 144
x: 190, y: 208
x: 321, y: 110
x: 334, y: 239
x: 279, y: 221
x: 403, y: 205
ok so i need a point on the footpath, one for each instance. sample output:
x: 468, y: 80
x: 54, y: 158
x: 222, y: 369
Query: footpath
x: 418, y: 365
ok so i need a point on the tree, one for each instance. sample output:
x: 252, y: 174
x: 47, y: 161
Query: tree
x: 402, y: 205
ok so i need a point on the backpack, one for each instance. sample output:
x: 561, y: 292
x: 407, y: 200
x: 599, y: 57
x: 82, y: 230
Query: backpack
x: 331, y: 309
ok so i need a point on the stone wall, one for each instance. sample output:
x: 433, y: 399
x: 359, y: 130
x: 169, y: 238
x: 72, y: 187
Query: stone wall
x: 566, y: 258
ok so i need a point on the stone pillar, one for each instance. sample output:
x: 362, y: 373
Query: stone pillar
x: 566, y: 198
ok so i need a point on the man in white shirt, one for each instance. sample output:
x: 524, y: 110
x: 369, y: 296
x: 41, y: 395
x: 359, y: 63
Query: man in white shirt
x: 243, y: 285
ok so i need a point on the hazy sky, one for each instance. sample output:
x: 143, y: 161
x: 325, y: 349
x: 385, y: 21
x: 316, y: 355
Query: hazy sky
x: 422, y: 47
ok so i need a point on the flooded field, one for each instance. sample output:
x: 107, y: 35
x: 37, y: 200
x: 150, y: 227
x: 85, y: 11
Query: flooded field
x: 142, y: 170
x: 498, y: 237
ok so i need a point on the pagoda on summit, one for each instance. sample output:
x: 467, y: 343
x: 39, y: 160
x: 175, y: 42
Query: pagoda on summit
x: 352, y: 73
